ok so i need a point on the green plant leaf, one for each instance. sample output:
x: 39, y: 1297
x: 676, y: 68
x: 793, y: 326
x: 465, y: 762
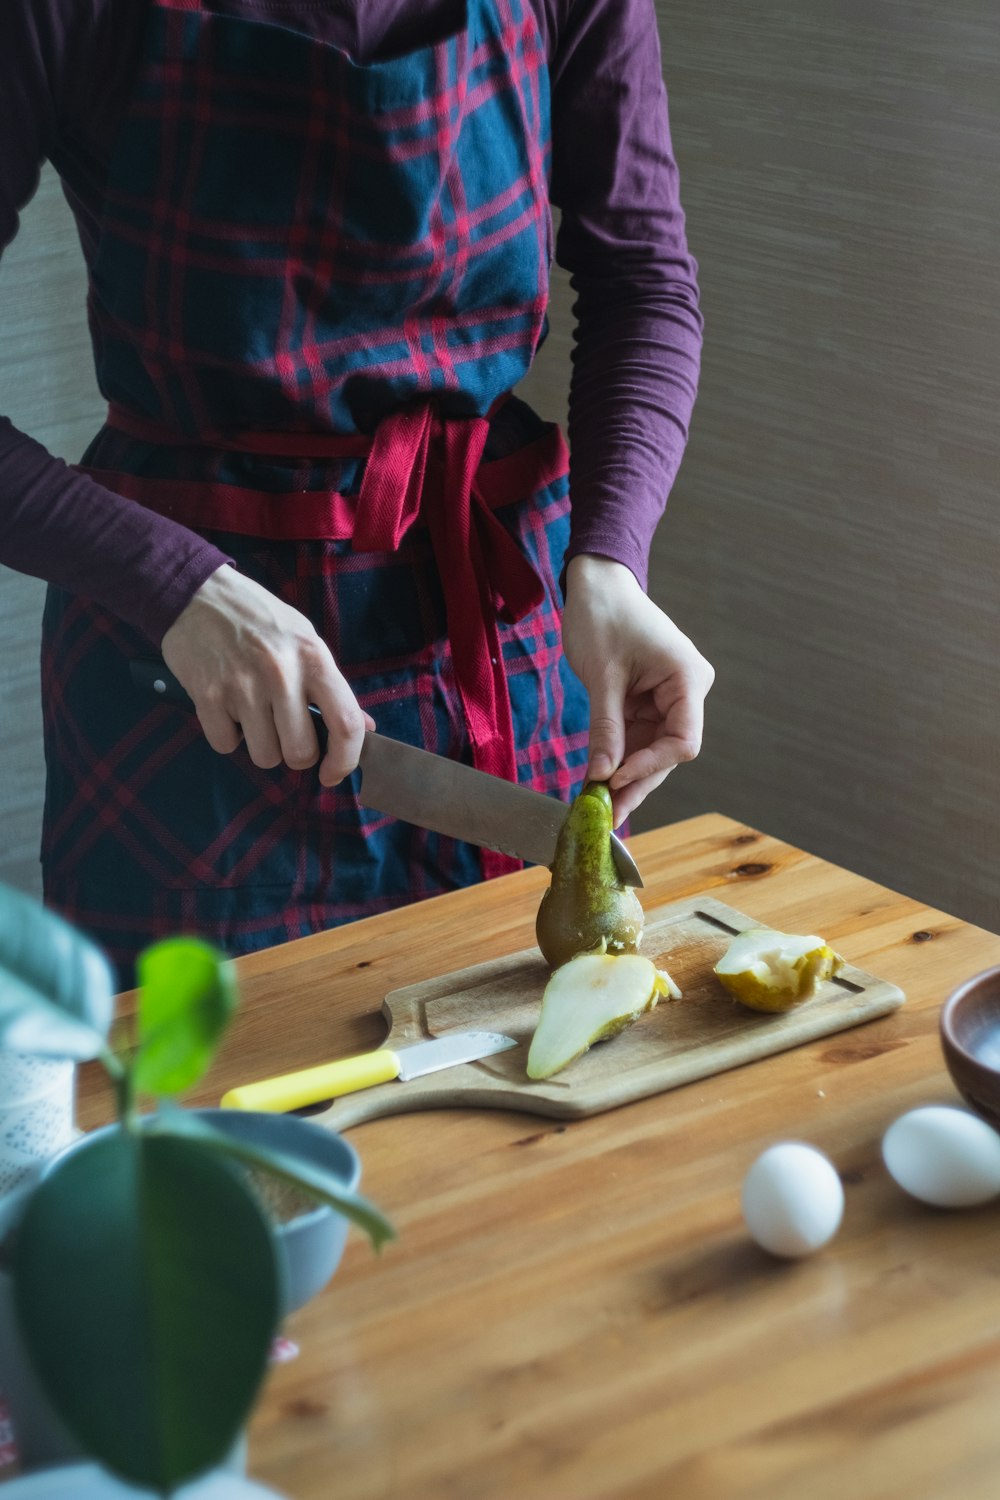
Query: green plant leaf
x: 186, y: 1001
x: 56, y: 987
x: 302, y: 1171
x: 147, y: 1291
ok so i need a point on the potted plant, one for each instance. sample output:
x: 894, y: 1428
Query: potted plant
x: 142, y: 1269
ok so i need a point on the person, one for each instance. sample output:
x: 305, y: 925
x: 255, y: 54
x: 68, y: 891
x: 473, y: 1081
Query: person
x: 318, y: 240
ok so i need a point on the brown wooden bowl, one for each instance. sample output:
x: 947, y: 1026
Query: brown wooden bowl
x: 970, y: 1040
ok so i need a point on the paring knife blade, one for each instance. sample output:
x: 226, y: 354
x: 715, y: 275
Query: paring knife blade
x: 441, y: 795
x: 349, y: 1074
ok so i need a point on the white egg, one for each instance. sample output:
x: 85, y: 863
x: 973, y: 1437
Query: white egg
x: 944, y: 1156
x: 792, y: 1200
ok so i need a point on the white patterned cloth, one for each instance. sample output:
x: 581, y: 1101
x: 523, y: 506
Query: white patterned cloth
x: 36, y: 1113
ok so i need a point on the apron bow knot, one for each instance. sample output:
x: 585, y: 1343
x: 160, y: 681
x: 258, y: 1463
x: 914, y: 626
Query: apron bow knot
x: 419, y: 466
x: 423, y: 466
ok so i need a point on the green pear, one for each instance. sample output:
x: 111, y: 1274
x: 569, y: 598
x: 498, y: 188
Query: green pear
x: 589, y: 999
x: 588, y: 908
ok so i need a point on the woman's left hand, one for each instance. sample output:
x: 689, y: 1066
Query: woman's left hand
x: 647, y: 683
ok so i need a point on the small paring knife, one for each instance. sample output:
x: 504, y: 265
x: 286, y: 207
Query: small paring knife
x: 331, y: 1080
x: 433, y: 792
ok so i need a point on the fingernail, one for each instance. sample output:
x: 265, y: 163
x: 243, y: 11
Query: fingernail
x: 600, y: 768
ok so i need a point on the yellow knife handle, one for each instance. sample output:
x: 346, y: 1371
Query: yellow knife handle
x: 313, y: 1085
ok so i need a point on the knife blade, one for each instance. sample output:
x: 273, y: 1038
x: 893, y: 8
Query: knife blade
x: 444, y: 796
x: 349, y: 1074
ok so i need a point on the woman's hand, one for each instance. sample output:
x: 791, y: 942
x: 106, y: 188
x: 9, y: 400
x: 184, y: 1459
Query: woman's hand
x: 646, y: 682
x: 253, y: 664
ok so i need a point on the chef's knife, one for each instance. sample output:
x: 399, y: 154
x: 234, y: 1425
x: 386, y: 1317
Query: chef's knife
x: 439, y: 794
x: 331, y: 1080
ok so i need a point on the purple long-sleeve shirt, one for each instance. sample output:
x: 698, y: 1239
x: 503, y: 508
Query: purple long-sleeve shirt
x: 66, y: 68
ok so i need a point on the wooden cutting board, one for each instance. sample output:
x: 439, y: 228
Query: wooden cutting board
x: 704, y: 1032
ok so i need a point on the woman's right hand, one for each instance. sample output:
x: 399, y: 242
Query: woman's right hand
x: 253, y: 664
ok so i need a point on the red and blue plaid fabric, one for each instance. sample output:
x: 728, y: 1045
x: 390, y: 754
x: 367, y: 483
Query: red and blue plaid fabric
x: 316, y: 282
x: 295, y: 241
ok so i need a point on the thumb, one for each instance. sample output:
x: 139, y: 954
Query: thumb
x: 607, y: 731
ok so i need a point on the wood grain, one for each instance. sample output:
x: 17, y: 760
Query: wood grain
x: 574, y: 1311
x: 677, y: 1042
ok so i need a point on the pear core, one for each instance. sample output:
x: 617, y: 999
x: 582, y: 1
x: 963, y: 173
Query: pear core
x: 587, y: 1000
x: 775, y: 971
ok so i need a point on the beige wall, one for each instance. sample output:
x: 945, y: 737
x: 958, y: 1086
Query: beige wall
x: 833, y: 543
x: 47, y: 387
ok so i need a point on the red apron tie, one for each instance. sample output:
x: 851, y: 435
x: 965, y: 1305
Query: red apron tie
x: 423, y: 465
x: 420, y: 466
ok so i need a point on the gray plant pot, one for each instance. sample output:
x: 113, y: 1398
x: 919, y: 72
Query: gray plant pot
x: 309, y: 1249
x: 41, y: 1437
x: 43, y: 1443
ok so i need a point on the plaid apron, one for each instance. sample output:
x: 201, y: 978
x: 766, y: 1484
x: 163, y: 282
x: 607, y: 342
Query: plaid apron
x: 316, y: 283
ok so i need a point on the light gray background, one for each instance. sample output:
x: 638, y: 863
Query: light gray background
x: 833, y: 543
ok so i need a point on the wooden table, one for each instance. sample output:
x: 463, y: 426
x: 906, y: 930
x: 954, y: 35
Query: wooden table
x: 576, y: 1311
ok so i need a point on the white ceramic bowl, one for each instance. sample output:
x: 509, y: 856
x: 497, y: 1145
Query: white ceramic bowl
x: 89, y: 1482
x: 310, y: 1246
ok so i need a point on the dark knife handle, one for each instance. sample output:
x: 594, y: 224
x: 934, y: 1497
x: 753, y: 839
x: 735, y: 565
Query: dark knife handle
x: 443, y: 796
x: 152, y: 675
x: 156, y: 677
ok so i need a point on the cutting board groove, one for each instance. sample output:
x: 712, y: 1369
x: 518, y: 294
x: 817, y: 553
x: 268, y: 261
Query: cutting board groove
x: 703, y: 1033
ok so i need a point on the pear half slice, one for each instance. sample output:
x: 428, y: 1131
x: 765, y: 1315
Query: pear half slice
x: 590, y: 998
x: 775, y: 971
